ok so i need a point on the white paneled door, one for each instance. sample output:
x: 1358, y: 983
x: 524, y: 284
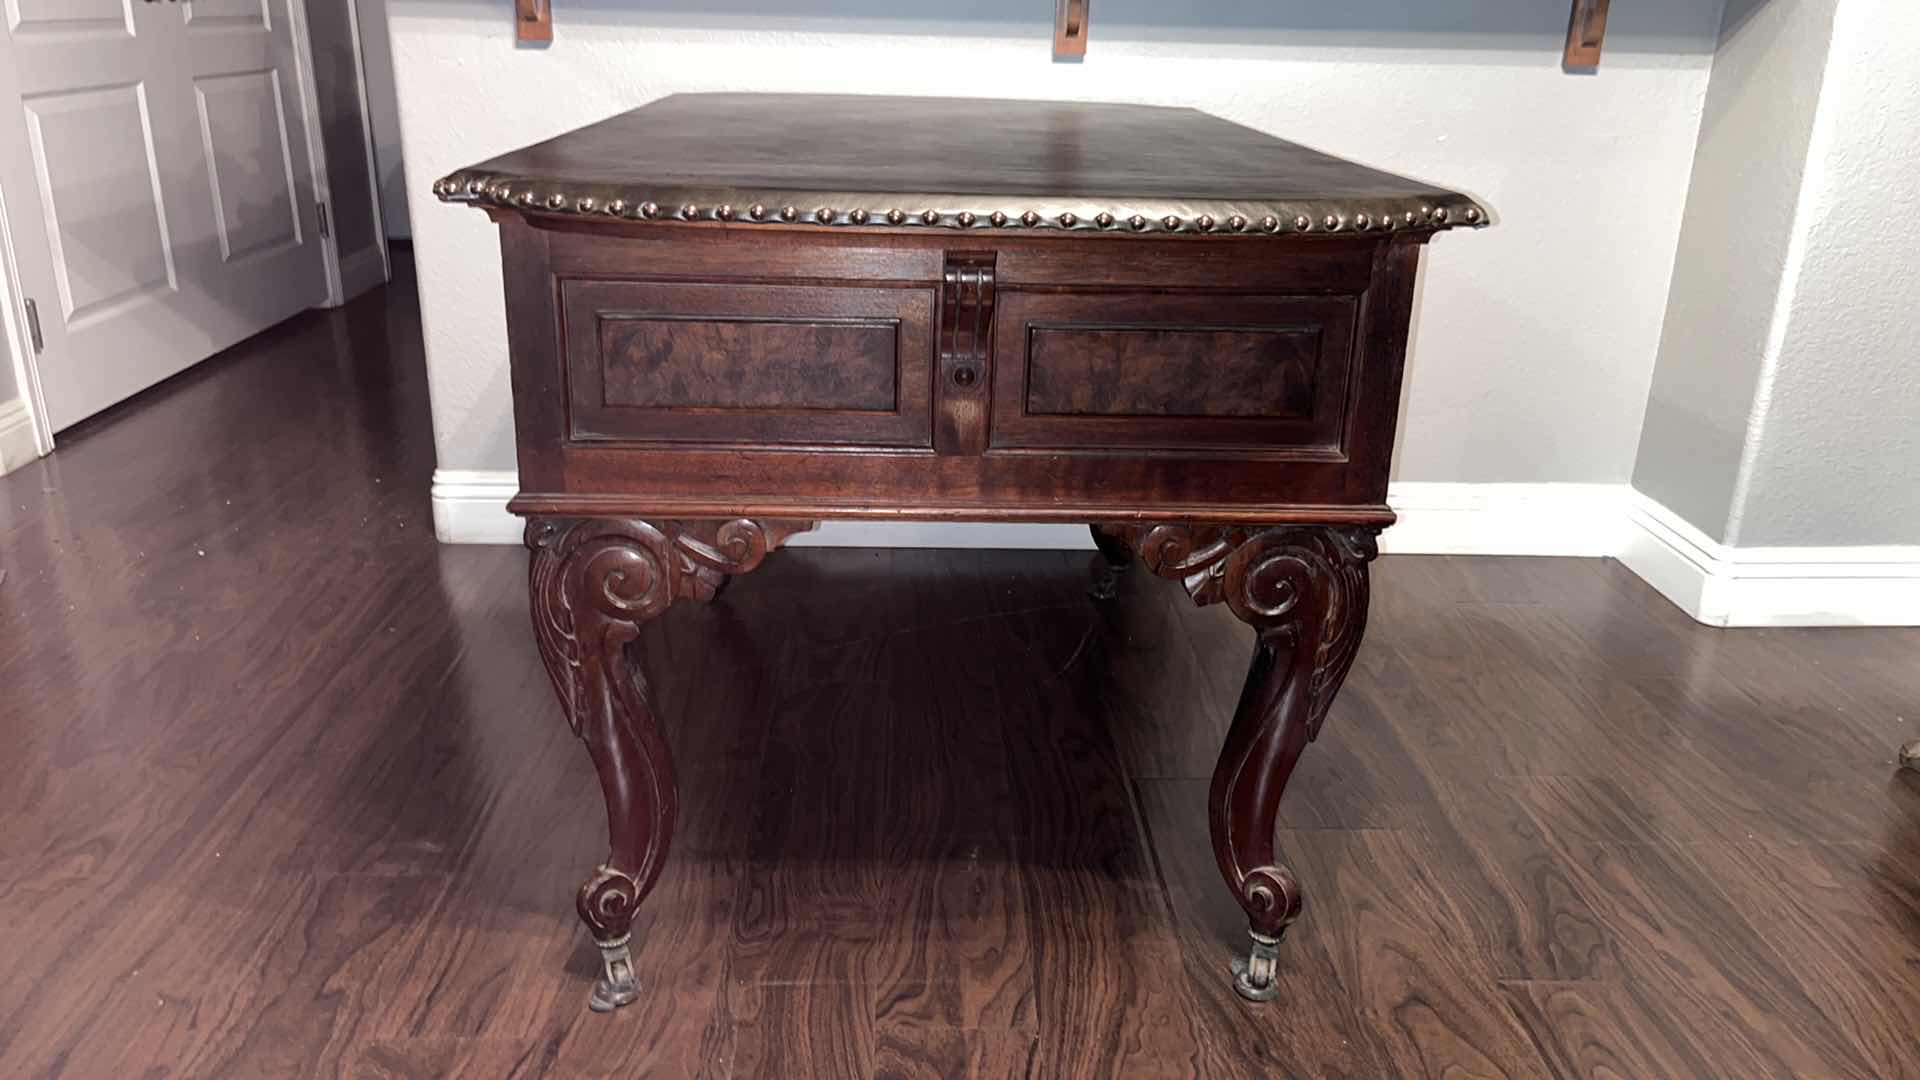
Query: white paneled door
x: 159, y: 197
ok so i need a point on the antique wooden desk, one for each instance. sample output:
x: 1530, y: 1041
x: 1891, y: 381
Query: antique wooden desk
x: 731, y: 316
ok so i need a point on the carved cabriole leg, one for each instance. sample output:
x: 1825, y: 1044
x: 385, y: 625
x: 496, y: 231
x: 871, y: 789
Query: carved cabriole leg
x: 594, y: 581
x: 1303, y: 589
x: 1115, y: 557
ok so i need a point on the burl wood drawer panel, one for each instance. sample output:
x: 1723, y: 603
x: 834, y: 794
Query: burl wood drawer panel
x: 738, y: 363
x: 1164, y: 372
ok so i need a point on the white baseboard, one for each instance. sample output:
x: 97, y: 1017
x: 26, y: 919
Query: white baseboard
x: 17, y: 446
x: 470, y: 506
x: 1769, y: 586
x: 1581, y: 520
x: 1717, y: 585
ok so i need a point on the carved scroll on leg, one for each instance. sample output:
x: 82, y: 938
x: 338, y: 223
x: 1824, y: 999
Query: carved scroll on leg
x: 594, y: 581
x: 1304, y: 591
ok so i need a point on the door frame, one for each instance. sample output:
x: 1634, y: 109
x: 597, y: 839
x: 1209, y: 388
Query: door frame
x: 18, y: 349
x: 317, y: 151
x: 366, y: 138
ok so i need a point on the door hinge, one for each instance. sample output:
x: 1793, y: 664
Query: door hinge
x: 33, y: 328
x: 325, y: 230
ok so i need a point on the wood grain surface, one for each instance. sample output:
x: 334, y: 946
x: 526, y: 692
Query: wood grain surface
x: 749, y: 364
x: 1154, y: 371
x: 714, y: 364
x: 287, y: 793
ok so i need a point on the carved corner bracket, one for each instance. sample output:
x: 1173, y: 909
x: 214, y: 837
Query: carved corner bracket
x: 598, y: 578
x: 1296, y: 585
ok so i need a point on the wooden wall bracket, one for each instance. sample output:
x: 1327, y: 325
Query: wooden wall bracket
x: 533, y: 20
x: 1586, y: 30
x: 1070, y: 28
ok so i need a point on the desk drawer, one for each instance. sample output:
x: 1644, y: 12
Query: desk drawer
x: 741, y: 363
x: 1152, y: 371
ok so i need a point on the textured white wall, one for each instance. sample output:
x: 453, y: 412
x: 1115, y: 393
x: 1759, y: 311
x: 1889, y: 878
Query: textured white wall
x: 1742, y: 211
x: 1836, y: 442
x: 1534, y: 341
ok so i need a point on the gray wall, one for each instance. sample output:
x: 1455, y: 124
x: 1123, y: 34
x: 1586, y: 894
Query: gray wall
x: 1741, y: 209
x: 1785, y: 407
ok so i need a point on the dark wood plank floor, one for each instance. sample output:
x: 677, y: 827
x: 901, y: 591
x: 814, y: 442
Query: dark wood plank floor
x: 285, y: 792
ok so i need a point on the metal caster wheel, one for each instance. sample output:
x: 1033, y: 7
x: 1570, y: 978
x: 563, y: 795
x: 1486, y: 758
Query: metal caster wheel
x: 1254, y: 974
x: 616, y: 985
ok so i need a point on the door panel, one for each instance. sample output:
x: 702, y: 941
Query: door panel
x: 99, y: 182
x: 154, y: 163
x: 237, y: 75
x: 69, y: 16
x: 98, y: 200
x: 243, y: 128
x: 216, y: 14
